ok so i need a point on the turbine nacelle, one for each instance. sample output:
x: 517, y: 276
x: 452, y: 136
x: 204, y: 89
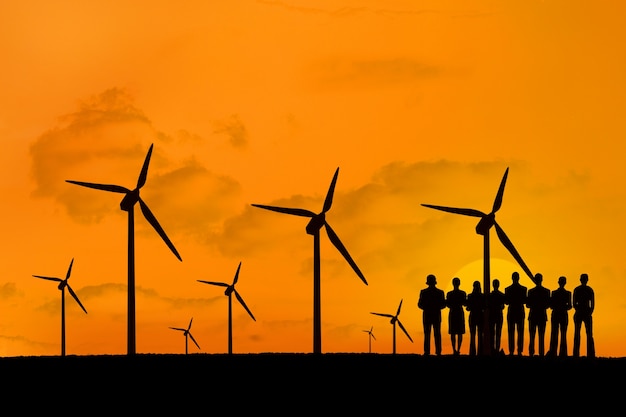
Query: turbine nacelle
x: 485, y: 224
x: 129, y: 200
x: 316, y: 223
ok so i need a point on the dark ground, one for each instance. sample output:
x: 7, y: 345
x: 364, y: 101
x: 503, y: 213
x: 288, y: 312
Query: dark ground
x: 331, y: 383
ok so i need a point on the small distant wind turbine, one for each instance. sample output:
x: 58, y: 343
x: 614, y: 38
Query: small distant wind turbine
x: 318, y: 220
x: 187, y: 333
x: 62, y: 285
x: 131, y: 197
x: 487, y: 221
x: 370, y: 336
x: 393, y: 321
x: 230, y: 290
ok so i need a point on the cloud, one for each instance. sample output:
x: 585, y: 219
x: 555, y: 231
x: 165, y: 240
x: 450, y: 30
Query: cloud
x: 345, y: 11
x: 339, y: 73
x: 403, y: 243
x: 9, y: 290
x: 234, y: 129
x: 106, y: 140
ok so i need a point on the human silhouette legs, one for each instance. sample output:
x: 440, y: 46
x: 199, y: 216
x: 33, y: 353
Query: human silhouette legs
x: 532, y: 331
x: 426, y: 339
x: 437, y: 337
x: 541, y: 329
x: 588, y: 322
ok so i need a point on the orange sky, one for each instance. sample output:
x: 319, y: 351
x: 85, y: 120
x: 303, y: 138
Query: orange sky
x: 260, y: 102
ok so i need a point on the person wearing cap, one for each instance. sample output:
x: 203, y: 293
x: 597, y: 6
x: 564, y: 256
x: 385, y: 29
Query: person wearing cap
x: 431, y: 301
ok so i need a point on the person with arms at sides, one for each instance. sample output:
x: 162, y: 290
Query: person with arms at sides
x: 495, y: 305
x: 515, y: 298
x: 431, y: 301
x: 584, y: 304
x: 538, y: 302
x: 561, y: 304
x: 456, y: 300
x: 476, y: 308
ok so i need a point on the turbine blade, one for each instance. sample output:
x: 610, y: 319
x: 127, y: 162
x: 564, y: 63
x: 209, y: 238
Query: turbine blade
x: 373, y: 337
x: 509, y: 245
x: 342, y: 249
x: 105, y: 187
x: 244, y: 304
x: 498, y: 201
x: 189, y: 327
x: 221, y: 284
x: 155, y: 224
x: 48, y: 278
x: 237, y: 274
x: 383, y: 314
x: 286, y: 210
x: 144, y: 170
x: 404, y: 330
x: 455, y: 210
x: 75, y: 297
x: 69, y: 270
x: 194, y: 340
x: 399, y: 307
x: 331, y: 191
x: 178, y: 328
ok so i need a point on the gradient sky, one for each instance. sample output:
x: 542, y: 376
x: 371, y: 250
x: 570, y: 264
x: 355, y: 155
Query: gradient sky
x: 260, y: 102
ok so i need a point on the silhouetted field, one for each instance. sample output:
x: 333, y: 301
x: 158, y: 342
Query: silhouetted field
x: 298, y: 384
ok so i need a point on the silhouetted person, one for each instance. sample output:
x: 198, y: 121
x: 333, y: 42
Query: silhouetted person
x: 515, y: 297
x: 584, y: 303
x: 495, y: 305
x: 538, y: 302
x: 561, y: 304
x: 432, y: 300
x: 476, y: 308
x: 456, y: 300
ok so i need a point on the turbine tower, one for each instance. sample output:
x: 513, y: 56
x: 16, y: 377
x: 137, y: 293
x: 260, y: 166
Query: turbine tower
x: 318, y: 220
x: 187, y: 333
x: 131, y: 197
x: 63, y: 284
x: 395, y: 320
x: 230, y: 290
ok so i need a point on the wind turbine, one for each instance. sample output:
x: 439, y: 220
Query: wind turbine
x: 187, y: 333
x: 318, y: 220
x: 486, y: 222
x: 230, y: 290
x: 393, y: 321
x: 62, y: 285
x: 131, y: 197
x: 370, y: 336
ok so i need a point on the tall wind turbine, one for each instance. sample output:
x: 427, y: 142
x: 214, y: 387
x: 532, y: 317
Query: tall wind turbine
x: 486, y: 222
x: 131, y: 197
x: 370, y: 336
x: 62, y: 285
x: 187, y: 333
x: 395, y: 320
x: 318, y: 220
x: 230, y: 290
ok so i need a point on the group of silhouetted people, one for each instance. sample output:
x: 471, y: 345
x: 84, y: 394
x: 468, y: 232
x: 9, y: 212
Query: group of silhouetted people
x: 486, y: 314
